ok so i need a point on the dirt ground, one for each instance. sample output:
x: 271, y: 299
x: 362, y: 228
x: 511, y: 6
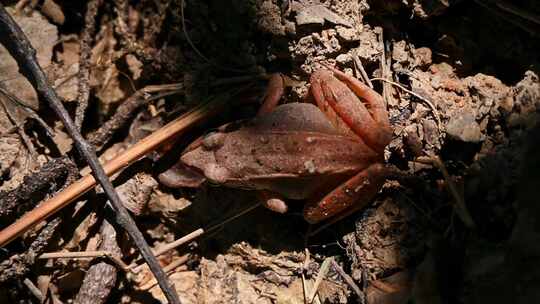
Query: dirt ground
x: 457, y: 223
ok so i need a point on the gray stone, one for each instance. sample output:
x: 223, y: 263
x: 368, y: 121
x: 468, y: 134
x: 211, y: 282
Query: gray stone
x: 463, y: 127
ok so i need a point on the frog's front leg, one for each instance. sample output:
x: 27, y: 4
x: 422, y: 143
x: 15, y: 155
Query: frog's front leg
x: 355, y: 194
x: 274, y: 92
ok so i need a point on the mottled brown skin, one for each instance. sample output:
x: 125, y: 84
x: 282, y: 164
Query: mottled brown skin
x: 330, y: 155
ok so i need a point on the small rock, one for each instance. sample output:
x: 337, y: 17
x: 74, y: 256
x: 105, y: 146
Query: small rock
x: 343, y: 59
x: 269, y: 18
x: 412, y: 139
x: 347, y: 34
x: 463, y: 127
x: 422, y: 56
x: 318, y: 14
x: 431, y: 132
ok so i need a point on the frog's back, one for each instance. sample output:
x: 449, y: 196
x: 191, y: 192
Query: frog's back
x: 292, y: 151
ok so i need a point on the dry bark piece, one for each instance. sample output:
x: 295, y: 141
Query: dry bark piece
x: 101, y: 277
x: 17, y: 201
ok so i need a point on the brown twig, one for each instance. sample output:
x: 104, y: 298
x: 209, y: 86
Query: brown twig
x: 127, y: 110
x: 16, y: 202
x: 34, y: 290
x: 347, y: 278
x: 22, y: 51
x: 185, y: 239
x: 87, y: 37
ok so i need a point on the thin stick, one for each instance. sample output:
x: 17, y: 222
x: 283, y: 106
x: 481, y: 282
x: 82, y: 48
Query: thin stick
x: 172, y: 266
x: 360, y: 66
x: 185, y: 239
x: 127, y: 109
x: 34, y: 290
x: 510, y: 17
x: 459, y: 205
x: 85, y: 255
x: 233, y: 217
x: 435, y: 112
x: 325, y: 266
x: 304, y: 281
x: 87, y: 182
x: 195, y: 49
x: 347, y: 278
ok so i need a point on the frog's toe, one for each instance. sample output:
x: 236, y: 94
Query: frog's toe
x: 216, y: 174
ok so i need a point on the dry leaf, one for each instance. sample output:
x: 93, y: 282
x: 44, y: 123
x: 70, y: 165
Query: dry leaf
x: 67, y: 82
x: 134, y: 65
x: 62, y: 140
x: 185, y: 284
x: 104, y: 77
x: 42, y: 36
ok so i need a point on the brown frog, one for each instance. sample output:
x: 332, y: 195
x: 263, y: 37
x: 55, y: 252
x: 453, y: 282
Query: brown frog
x: 330, y: 154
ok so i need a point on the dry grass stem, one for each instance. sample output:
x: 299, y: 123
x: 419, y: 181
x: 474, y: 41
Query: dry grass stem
x: 170, y: 267
x: 360, y: 66
x: 429, y: 103
x: 347, y: 278
x: 84, y: 255
x: 325, y: 266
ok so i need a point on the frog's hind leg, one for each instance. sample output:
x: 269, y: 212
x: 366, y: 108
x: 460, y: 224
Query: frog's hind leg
x: 354, y: 194
x: 352, y: 107
x: 373, y: 100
